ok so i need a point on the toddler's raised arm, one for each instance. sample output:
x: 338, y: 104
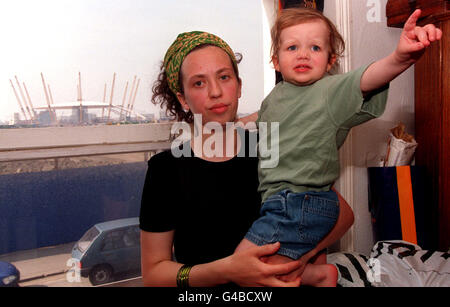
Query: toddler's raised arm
x: 412, y: 44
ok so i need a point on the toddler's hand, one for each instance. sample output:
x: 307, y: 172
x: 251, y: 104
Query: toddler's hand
x: 414, y: 39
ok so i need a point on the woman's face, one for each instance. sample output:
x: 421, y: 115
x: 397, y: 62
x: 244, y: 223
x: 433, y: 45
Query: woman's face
x: 211, y: 87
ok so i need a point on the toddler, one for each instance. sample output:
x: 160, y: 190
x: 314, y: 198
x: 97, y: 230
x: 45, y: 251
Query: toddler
x: 315, y: 112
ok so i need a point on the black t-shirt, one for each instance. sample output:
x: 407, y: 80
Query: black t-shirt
x: 210, y: 205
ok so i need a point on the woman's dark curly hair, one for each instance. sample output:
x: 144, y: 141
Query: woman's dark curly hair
x: 166, y: 99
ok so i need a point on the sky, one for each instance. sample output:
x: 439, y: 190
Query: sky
x: 98, y: 38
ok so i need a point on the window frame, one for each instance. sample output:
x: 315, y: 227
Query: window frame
x: 59, y: 142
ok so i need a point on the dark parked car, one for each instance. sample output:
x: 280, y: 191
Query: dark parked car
x: 109, y: 248
x: 9, y: 275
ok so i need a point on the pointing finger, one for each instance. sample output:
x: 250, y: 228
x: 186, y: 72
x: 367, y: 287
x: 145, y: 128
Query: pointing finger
x: 412, y: 20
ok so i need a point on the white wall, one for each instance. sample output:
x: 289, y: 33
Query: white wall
x: 269, y: 15
x: 329, y: 10
x: 372, y: 41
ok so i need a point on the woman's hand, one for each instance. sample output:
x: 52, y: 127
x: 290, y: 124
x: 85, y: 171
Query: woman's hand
x: 247, y: 269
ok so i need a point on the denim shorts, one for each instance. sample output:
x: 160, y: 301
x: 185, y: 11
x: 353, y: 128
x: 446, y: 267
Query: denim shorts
x: 299, y: 221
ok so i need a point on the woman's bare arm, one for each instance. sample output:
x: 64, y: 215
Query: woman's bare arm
x: 245, y: 269
x: 157, y: 266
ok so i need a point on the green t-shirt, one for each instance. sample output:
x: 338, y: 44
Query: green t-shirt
x: 313, y: 122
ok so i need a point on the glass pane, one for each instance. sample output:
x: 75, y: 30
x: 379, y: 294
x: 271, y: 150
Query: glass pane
x: 98, y: 64
x: 87, y: 239
x: 44, y: 165
x: 52, y: 214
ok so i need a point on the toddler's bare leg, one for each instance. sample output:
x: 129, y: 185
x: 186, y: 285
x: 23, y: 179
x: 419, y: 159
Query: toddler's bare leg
x: 274, y: 259
x: 319, y: 259
x: 280, y: 259
x: 320, y: 275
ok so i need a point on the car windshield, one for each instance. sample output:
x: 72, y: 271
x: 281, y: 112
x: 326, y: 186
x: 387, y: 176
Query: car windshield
x: 87, y: 239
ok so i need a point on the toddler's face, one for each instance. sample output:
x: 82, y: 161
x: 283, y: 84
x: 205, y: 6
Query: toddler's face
x: 304, y: 54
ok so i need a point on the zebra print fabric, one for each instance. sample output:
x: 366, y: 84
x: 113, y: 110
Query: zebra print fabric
x: 393, y: 264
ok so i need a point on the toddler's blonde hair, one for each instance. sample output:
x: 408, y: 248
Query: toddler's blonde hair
x: 294, y: 16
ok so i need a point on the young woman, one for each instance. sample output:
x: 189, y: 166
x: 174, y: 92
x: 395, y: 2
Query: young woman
x: 201, y: 203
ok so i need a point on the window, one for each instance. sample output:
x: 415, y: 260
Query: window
x: 113, y: 240
x: 96, y: 60
x: 87, y: 239
x: 132, y: 236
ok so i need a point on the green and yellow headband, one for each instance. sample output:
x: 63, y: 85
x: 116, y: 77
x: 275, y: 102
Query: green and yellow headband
x: 181, y: 47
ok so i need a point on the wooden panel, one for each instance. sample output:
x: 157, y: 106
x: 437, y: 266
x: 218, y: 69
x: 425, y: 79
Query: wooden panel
x: 428, y: 125
x: 444, y: 210
x: 398, y: 11
x: 432, y: 109
x: 432, y: 112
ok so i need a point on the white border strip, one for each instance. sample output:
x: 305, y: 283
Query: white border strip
x: 346, y: 180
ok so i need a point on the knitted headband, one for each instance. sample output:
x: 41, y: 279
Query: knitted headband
x: 181, y: 47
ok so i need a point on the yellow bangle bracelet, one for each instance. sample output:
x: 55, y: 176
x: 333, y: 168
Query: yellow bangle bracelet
x: 183, y: 276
